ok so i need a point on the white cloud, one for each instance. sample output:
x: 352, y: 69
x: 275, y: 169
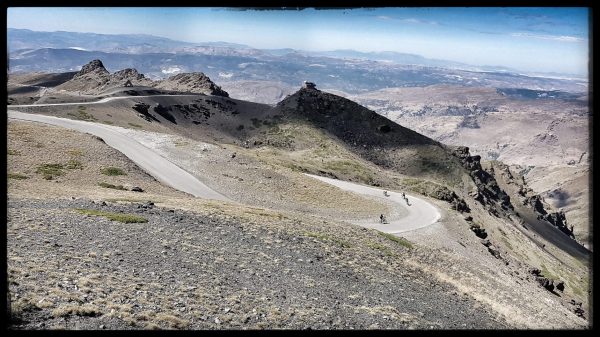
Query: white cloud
x: 171, y: 70
x: 563, y: 38
x: 384, y: 17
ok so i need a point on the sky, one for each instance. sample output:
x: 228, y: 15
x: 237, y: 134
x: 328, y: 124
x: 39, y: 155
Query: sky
x: 528, y: 39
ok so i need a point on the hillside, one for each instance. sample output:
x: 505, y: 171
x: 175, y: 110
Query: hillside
x: 491, y: 239
x: 93, y: 78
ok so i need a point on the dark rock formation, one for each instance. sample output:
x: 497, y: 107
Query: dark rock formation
x: 546, y: 283
x: 494, y: 251
x: 480, y: 232
x: 559, y: 220
x: 142, y: 108
x: 128, y: 74
x: 164, y: 112
x: 489, y: 194
x: 93, y: 66
x: 560, y: 286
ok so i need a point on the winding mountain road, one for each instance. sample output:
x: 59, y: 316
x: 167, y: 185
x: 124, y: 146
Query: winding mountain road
x: 104, y: 100
x: 157, y: 166
x: 420, y: 212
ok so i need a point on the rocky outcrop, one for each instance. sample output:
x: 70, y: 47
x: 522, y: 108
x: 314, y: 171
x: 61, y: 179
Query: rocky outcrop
x: 439, y: 192
x: 546, y: 282
x: 534, y: 201
x: 129, y: 74
x: 164, y: 112
x: 95, y: 66
x: 142, y: 109
x: 480, y: 232
x: 488, y: 193
x: 191, y: 82
x: 93, y: 78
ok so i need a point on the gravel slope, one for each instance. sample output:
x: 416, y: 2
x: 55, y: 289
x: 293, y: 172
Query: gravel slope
x: 212, y: 271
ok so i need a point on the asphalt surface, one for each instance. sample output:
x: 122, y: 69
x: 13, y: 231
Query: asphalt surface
x: 104, y: 100
x: 155, y: 165
x: 420, y: 212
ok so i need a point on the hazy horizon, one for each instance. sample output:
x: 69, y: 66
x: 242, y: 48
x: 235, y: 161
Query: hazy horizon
x: 548, y: 40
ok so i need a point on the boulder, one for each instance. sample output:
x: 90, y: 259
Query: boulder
x: 137, y: 189
x: 546, y: 283
x: 535, y: 272
x: 560, y: 286
x: 480, y: 232
x: 494, y: 251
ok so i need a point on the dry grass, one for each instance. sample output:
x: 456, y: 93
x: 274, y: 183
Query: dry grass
x: 113, y: 171
x: 120, y: 217
x: 17, y: 176
x: 87, y: 309
x: 48, y: 171
x: 401, y: 241
x: 328, y: 238
x: 171, y: 321
x: 114, y: 187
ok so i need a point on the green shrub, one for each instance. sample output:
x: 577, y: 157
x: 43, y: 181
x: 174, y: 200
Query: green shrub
x: 49, y: 171
x: 120, y: 217
x: 113, y: 171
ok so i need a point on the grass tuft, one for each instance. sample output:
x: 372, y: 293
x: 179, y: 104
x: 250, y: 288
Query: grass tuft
x: 113, y: 171
x: 172, y: 321
x: 114, y: 187
x: 17, y: 176
x: 120, y: 217
x: 74, y: 164
x: 398, y: 240
x: 75, y: 152
x: 325, y: 237
x: 87, y: 309
x: 385, y: 250
x: 49, y: 171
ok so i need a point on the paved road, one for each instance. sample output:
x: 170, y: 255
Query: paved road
x: 157, y: 166
x: 420, y: 212
x: 104, y: 100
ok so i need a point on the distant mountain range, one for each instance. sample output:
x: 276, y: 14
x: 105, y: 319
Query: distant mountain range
x: 348, y: 70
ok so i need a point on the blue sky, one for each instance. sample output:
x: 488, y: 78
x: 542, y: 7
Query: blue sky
x: 528, y: 39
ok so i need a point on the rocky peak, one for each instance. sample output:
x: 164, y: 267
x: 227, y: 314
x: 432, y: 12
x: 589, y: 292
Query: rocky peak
x: 193, y: 82
x: 128, y: 73
x: 93, y: 66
